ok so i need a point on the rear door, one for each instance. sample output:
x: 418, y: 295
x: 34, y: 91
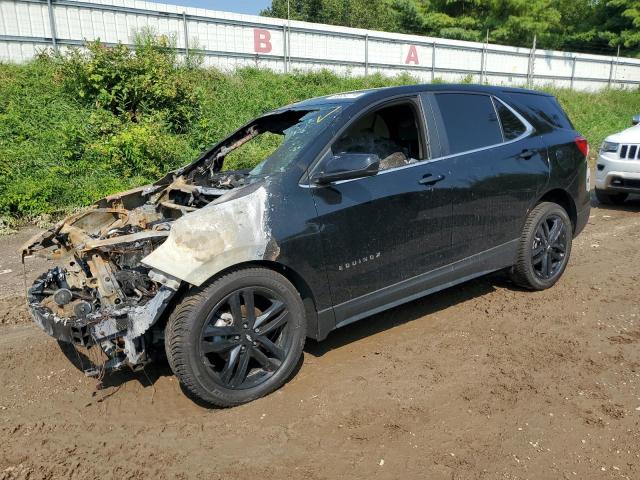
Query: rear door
x: 499, y: 167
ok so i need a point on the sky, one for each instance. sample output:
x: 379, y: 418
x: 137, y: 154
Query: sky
x: 252, y: 7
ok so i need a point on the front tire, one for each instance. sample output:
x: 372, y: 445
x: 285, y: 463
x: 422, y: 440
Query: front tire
x: 608, y: 198
x: 544, y: 247
x: 237, y: 338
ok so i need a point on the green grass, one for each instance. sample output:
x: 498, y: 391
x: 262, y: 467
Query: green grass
x: 59, y: 151
x: 598, y: 115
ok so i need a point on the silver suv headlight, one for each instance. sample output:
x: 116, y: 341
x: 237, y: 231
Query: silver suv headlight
x: 609, y: 147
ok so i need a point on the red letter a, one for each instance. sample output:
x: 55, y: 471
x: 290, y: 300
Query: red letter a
x: 412, y: 57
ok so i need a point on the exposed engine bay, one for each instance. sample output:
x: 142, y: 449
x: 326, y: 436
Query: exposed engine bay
x: 101, y: 294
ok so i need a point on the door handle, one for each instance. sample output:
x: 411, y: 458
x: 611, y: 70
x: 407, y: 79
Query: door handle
x: 527, y: 154
x: 429, y: 179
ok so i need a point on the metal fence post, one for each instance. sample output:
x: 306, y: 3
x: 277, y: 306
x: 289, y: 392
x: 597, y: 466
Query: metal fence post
x: 433, y: 61
x: 573, y: 71
x: 52, y: 24
x: 186, y: 33
x: 284, y: 46
x: 289, y: 44
x: 611, y: 67
x: 532, y: 63
x: 483, y: 59
x: 366, y: 54
x: 611, y: 73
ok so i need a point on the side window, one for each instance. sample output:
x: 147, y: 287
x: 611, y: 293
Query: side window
x: 392, y: 133
x: 512, y: 127
x: 470, y: 121
x: 546, y: 107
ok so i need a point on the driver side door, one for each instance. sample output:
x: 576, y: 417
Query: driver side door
x: 381, y: 234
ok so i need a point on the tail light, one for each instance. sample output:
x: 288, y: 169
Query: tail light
x: 582, y: 145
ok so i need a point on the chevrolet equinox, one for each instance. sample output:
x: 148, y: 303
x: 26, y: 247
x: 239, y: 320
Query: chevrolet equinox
x: 369, y: 199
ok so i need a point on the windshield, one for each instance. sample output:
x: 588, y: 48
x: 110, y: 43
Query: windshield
x: 295, y: 136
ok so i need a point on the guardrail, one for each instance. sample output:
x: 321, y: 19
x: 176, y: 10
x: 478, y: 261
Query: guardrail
x: 231, y: 40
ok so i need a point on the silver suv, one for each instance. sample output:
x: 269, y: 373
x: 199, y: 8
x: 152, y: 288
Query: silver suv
x: 618, y: 167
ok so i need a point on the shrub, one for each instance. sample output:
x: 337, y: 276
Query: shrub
x: 133, y: 83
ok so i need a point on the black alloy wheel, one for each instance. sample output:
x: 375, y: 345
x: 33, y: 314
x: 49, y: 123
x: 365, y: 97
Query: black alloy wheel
x: 246, y: 337
x: 544, y: 247
x: 549, y: 247
x: 238, y: 337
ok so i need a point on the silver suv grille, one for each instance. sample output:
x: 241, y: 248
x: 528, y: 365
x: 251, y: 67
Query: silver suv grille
x: 630, y: 152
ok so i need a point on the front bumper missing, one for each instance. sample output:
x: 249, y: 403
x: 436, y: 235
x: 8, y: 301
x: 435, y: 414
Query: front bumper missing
x: 121, y: 333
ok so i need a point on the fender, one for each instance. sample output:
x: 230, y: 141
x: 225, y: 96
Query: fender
x: 226, y: 233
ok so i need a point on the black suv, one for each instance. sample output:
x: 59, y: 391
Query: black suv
x: 370, y: 199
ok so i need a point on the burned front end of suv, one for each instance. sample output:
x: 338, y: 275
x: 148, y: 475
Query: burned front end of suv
x: 122, y: 262
x: 101, y: 293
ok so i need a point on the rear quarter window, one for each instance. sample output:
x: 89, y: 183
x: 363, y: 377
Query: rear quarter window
x: 545, y: 107
x: 512, y: 127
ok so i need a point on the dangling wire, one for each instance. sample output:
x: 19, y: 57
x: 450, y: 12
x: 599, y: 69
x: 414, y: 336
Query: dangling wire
x: 153, y: 386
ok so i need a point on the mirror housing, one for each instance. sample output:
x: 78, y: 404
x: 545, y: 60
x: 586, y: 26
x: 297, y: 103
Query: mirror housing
x: 346, y: 166
x: 635, y: 120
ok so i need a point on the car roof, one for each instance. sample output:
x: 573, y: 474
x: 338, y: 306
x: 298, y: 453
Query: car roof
x: 374, y: 94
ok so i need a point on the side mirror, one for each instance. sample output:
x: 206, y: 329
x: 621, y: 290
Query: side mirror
x: 635, y: 120
x: 346, y: 166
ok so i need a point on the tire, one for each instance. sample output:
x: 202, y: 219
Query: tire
x: 540, y: 263
x: 606, y: 198
x: 223, y: 355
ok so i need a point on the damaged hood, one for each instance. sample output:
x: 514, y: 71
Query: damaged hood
x: 92, y: 228
x: 147, y: 212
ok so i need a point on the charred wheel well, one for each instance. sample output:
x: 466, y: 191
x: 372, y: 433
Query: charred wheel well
x: 562, y: 198
x: 161, y: 323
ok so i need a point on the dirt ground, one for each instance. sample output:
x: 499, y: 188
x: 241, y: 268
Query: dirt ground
x: 479, y: 381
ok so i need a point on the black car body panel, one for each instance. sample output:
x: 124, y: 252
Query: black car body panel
x: 449, y: 209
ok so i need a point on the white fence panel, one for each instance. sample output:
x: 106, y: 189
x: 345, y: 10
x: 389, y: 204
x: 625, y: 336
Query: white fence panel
x: 230, y: 41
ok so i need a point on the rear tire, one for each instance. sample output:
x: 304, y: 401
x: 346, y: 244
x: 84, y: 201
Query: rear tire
x: 608, y: 198
x: 236, y: 338
x: 544, y: 247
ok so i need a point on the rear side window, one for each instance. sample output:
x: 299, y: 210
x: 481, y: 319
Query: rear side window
x: 470, y: 121
x: 545, y: 107
x: 512, y: 127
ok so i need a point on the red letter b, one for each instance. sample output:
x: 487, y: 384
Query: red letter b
x: 261, y: 40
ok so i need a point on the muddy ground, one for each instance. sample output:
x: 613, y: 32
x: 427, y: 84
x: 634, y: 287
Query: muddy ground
x: 479, y: 381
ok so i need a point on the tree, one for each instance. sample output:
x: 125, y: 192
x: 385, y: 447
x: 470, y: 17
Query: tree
x: 624, y: 20
x: 584, y: 25
x: 516, y: 22
x: 408, y: 17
